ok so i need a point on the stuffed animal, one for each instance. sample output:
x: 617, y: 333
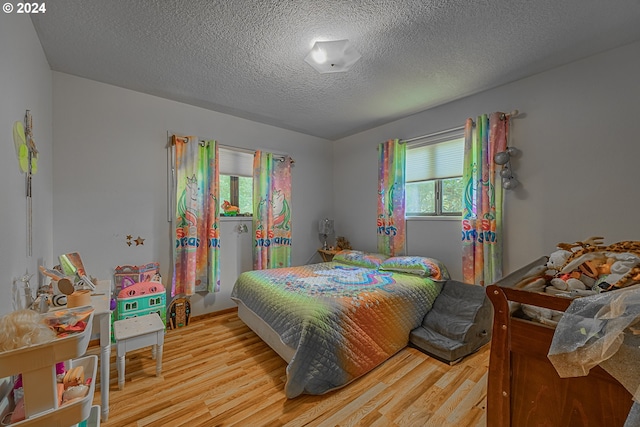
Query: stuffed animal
x: 557, y: 260
x: 229, y: 209
x: 342, y: 243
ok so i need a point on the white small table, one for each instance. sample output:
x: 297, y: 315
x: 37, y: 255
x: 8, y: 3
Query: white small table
x: 135, y: 333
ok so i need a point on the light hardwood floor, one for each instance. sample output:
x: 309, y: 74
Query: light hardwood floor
x: 217, y: 372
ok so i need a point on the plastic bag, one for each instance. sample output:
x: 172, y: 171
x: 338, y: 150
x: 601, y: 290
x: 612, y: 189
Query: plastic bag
x: 600, y: 330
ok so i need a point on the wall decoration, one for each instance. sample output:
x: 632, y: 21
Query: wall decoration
x: 28, y: 161
x: 138, y: 241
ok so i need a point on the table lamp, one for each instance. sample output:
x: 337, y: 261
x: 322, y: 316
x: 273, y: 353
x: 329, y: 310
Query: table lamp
x: 325, y: 227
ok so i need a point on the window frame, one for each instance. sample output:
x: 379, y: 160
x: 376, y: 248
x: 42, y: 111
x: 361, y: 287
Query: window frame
x: 435, y: 139
x: 238, y: 168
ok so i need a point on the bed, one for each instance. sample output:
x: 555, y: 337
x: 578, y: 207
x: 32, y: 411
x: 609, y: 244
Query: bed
x: 333, y: 322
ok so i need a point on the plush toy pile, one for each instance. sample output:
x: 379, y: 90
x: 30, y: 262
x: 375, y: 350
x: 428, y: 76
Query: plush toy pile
x: 582, y: 269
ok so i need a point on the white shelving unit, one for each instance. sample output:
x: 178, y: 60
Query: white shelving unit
x: 37, y: 364
x: 94, y: 418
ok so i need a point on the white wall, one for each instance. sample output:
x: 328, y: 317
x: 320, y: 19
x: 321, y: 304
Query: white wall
x: 580, y: 153
x: 108, y: 171
x: 26, y: 85
x: 110, y: 179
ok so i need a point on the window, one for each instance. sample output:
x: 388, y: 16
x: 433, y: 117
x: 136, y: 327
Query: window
x: 434, y: 185
x: 236, y: 180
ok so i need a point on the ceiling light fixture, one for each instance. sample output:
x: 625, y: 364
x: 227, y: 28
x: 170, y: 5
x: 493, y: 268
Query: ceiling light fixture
x: 332, y: 57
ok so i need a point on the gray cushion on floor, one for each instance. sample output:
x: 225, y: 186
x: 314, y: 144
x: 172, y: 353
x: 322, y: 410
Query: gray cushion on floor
x: 458, y: 324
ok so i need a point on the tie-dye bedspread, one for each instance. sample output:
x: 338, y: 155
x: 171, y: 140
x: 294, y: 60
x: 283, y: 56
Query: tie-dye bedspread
x: 342, y: 321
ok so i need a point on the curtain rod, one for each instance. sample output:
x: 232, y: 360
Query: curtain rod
x: 503, y: 116
x: 430, y: 135
x: 281, y: 156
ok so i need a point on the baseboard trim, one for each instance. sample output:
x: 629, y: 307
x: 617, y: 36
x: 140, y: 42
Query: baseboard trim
x: 214, y: 313
x: 96, y: 343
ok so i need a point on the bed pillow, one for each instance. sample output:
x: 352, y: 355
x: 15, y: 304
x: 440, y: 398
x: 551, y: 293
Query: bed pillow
x: 359, y: 258
x: 422, y: 266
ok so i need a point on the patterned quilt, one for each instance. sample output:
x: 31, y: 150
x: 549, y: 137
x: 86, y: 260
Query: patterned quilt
x: 342, y: 321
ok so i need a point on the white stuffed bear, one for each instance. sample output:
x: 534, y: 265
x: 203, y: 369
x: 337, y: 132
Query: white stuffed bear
x: 556, y: 261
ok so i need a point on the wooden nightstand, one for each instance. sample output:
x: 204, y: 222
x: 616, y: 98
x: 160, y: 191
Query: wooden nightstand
x: 327, y: 254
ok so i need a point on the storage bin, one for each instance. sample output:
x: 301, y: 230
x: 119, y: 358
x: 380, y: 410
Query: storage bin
x: 37, y: 364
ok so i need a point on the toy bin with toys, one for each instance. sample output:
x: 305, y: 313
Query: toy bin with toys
x: 568, y: 299
x: 46, y: 400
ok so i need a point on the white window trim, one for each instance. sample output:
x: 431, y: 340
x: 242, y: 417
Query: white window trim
x: 431, y: 139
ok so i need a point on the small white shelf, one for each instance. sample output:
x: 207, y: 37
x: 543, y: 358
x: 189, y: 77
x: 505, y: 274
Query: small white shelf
x: 26, y: 359
x: 37, y: 364
x: 94, y: 418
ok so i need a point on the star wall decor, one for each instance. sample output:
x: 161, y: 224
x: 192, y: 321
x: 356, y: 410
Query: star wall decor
x: 138, y: 241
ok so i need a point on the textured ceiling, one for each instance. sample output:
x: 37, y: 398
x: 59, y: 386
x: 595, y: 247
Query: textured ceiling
x: 246, y: 57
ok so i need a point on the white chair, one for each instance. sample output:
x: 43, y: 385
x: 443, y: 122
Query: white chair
x: 135, y: 333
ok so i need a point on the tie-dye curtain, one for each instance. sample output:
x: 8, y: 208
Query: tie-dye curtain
x: 196, y: 248
x: 391, y: 203
x: 271, y: 211
x: 483, y: 197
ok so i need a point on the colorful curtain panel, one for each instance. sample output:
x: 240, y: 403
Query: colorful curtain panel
x: 391, y: 204
x: 483, y: 199
x: 196, y: 229
x: 271, y: 211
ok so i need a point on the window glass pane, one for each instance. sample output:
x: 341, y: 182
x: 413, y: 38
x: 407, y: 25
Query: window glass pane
x: 434, y: 165
x: 225, y: 189
x: 245, y: 194
x: 420, y: 198
x: 452, y: 190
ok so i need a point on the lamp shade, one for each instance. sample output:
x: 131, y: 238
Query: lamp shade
x: 332, y: 56
x: 325, y: 226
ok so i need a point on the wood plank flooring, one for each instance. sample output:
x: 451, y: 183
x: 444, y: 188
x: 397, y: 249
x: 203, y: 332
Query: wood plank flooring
x: 217, y: 372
